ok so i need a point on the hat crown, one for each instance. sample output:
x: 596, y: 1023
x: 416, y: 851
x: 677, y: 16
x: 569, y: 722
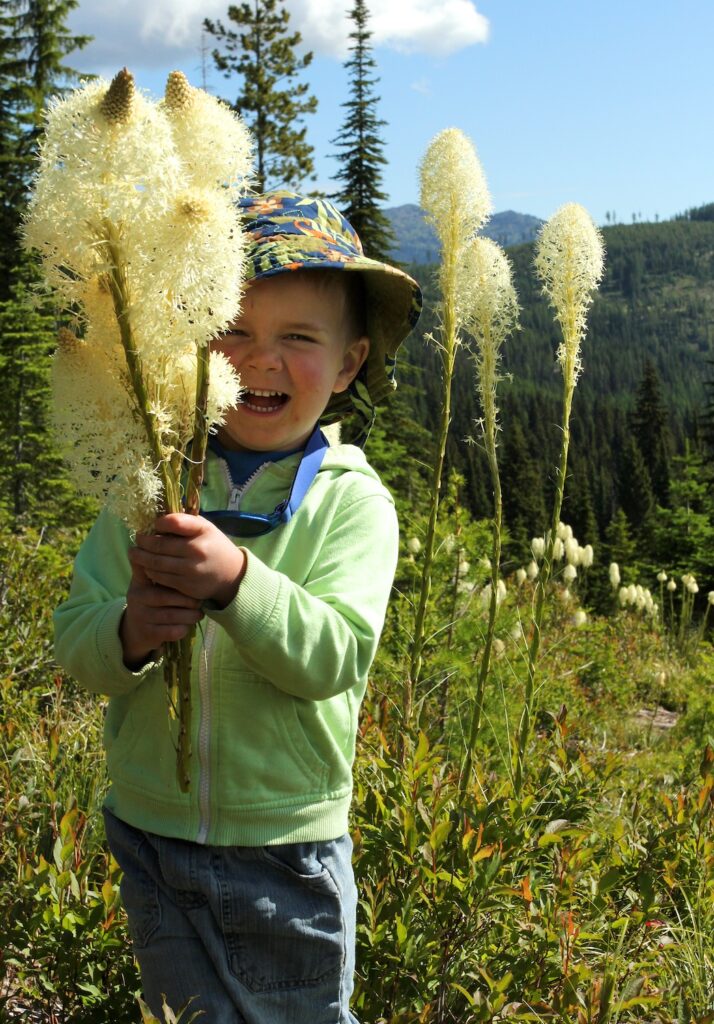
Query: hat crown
x: 276, y: 215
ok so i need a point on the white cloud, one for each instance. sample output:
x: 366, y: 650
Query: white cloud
x: 153, y: 35
x: 425, y: 27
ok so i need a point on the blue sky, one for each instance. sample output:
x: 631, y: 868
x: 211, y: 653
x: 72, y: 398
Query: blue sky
x: 601, y: 102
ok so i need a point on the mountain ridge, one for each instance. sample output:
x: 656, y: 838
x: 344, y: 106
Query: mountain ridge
x: 417, y: 241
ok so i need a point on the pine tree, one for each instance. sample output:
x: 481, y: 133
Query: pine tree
x: 271, y: 101
x: 34, y: 486
x: 46, y: 41
x: 634, y: 487
x: 14, y: 94
x: 360, y: 146
x: 34, y: 42
x: 522, y: 486
x: 650, y: 428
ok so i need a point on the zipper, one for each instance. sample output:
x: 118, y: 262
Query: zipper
x: 204, y: 677
x: 235, y: 491
x: 204, y: 733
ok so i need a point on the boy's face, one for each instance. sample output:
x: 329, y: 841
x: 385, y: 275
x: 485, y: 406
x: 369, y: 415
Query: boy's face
x: 291, y: 348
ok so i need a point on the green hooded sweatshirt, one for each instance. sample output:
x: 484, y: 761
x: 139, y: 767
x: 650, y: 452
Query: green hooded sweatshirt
x: 277, y: 676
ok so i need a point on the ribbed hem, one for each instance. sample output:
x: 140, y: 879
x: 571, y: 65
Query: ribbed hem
x: 312, y: 823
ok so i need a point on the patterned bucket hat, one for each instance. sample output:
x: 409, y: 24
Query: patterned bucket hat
x: 288, y: 232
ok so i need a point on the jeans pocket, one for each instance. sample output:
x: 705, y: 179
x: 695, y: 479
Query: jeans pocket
x: 282, y: 918
x: 139, y: 892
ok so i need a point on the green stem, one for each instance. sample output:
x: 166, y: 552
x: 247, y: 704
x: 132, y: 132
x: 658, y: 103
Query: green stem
x: 524, y: 727
x: 120, y: 296
x: 490, y: 439
x: 448, y: 356
x: 177, y: 654
x: 193, y: 505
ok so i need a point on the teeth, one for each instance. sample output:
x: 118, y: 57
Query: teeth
x: 261, y: 408
x: 264, y: 394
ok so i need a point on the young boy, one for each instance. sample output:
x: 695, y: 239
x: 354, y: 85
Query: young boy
x: 240, y: 892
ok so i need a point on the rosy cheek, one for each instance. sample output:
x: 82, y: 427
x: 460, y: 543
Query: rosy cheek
x: 229, y: 351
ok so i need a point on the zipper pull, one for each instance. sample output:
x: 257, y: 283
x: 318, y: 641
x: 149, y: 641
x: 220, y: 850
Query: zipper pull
x: 234, y: 499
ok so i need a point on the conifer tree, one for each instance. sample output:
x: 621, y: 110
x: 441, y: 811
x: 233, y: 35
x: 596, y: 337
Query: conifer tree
x: 271, y: 101
x: 34, y: 486
x: 46, y: 41
x: 360, y: 146
x: 522, y: 486
x: 13, y: 96
x: 650, y: 428
x: 34, y: 42
x: 634, y: 486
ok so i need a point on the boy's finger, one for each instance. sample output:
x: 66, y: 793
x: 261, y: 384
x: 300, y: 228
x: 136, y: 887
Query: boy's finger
x: 174, y: 616
x: 153, y: 562
x: 154, y: 595
x: 179, y: 523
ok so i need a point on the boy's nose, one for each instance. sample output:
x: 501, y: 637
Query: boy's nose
x: 263, y: 355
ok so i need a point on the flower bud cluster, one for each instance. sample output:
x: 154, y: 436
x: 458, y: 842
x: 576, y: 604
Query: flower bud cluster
x: 565, y: 546
x: 639, y: 598
x: 690, y: 583
x: 485, y: 595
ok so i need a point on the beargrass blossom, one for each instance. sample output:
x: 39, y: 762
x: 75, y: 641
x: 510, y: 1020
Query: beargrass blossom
x: 570, y: 573
x: 133, y: 215
x: 587, y: 556
x: 453, y: 194
x: 538, y: 547
x: 570, y: 260
x: 614, y: 573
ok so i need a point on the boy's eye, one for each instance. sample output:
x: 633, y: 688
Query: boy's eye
x: 235, y: 334
x: 296, y: 336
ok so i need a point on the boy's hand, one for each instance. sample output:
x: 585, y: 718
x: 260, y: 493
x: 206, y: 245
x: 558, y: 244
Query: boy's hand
x: 153, y: 616
x: 190, y: 555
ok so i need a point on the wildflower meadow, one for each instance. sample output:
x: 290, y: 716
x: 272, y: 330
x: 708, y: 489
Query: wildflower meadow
x: 534, y: 781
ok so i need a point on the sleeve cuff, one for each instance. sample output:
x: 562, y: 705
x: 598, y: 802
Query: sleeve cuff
x: 255, y: 604
x: 109, y: 651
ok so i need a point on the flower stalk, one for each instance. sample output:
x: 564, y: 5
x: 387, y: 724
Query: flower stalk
x: 569, y: 262
x: 489, y: 312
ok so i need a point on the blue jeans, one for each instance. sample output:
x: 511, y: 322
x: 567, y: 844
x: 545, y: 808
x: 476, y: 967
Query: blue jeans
x: 258, y: 935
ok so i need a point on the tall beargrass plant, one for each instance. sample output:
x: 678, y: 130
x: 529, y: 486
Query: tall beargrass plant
x: 569, y: 262
x: 455, y: 198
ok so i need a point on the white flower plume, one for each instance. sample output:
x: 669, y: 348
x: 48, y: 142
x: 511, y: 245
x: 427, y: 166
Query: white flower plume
x: 454, y: 193
x: 570, y: 259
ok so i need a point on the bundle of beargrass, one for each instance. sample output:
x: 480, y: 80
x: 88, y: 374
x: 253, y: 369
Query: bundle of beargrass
x: 133, y: 214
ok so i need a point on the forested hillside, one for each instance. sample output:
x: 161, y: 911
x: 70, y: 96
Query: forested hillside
x: 646, y: 355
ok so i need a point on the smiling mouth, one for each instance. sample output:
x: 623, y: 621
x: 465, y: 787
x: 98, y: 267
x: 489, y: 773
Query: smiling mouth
x: 264, y: 401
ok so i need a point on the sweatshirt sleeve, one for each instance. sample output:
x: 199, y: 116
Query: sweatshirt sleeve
x: 87, y: 640
x: 319, y: 639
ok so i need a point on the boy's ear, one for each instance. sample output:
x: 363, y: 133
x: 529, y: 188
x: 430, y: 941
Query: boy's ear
x: 355, y: 355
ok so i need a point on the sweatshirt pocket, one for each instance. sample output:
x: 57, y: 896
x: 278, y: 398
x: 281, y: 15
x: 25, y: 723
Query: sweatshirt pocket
x: 142, y: 754
x: 265, y: 755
